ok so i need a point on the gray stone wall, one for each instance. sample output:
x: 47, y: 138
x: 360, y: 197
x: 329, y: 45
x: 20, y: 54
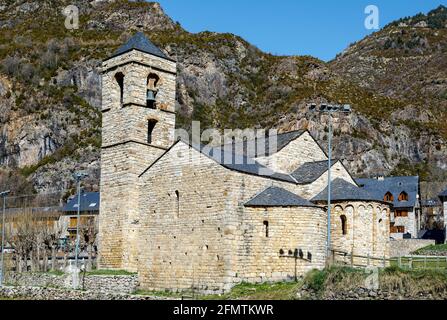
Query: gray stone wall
x: 287, y: 160
x: 205, y: 238
x: 289, y: 229
x: 405, y: 247
x: 126, y: 151
x: 39, y: 293
x: 105, y: 284
x: 199, y: 240
x: 367, y: 230
x: 311, y: 190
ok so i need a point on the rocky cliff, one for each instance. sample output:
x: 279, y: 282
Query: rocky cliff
x: 50, y: 90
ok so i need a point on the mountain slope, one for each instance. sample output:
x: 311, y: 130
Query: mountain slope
x: 50, y: 94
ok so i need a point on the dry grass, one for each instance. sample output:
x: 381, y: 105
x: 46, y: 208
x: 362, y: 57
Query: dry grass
x: 414, y: 282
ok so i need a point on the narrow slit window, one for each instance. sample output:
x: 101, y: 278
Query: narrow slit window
x: 119, y: 77
x: 150, y: 130
x: 177, y: 203
x: 266, y: 228
x: 344, y: 226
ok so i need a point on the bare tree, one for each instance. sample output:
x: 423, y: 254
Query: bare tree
x: 33, y: 239
x: 89, y: 232
x: 23, y: 239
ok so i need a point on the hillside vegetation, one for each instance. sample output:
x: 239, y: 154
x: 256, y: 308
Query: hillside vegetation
x: 50, y: 90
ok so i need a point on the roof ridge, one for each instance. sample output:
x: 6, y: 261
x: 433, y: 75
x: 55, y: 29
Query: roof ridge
x: 140, y: 42
x: 275, y: 196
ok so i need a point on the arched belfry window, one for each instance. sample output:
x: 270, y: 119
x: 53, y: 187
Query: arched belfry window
x: 152, y: 90
x: 389, y: 197
x: 403, y: 196
x: 119, y: 77
x: 344, y: 225
x: 150, y: 130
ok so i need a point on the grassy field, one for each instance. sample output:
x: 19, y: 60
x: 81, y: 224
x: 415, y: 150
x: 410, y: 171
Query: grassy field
x: 420, y: 263
x: 438, y: 249
x: 110, y: 273
x: 265, y: 291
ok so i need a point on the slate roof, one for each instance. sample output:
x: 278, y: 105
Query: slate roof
x: 443, y: 194
x: 395, y: 185
x: 278, y: 197
x: 141, y: 43
x: 311, y: 171
x: 89, y: 202
x: 429, y: 203
x: 341, y: 190
x: 250, y: 147
x: 241, y: 163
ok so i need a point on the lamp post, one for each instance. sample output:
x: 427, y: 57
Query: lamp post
x: 329, y: 110
x: 3, y: 195
x: 78, y: 177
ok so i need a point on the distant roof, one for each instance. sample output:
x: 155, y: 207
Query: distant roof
x: 311, y: 171
x: 341, y: 190
x: 261, y: 147
x: 141, y: 43
x: 431, y: 203
x: 278, y: 197
x: 89, y: 202
x: 443, y: 194
x: 394, y: 185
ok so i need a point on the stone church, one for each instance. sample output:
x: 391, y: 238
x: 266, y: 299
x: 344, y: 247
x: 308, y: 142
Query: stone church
x: 183, y: 218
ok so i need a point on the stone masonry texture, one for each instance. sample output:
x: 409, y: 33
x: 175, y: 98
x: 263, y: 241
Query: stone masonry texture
x: 178, y: 218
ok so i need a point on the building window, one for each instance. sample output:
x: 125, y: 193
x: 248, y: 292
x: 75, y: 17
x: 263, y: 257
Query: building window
x: 389, y: 197
x: 266, y: 228
x: 344, y: 225
x: 401, y: 213
x: 73, y: 222
x: 399, y: 229
x: 152, y: 90
x: 119, y: 77
x: 150, y: 129
x: 403, y: 196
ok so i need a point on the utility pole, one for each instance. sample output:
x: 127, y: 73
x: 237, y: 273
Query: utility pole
x: 78, y: 177
x: 329, y: 110
x: 2, y: 273
x: 329, y: 185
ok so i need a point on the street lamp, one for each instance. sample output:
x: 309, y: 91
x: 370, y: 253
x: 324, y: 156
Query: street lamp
x: 3, y: 195
x: 79, y: 176
x: 329, y: 110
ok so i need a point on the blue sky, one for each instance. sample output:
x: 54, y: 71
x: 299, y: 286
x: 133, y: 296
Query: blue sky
x: 321, y: 28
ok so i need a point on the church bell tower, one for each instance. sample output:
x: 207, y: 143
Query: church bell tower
x: 138, y: 123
